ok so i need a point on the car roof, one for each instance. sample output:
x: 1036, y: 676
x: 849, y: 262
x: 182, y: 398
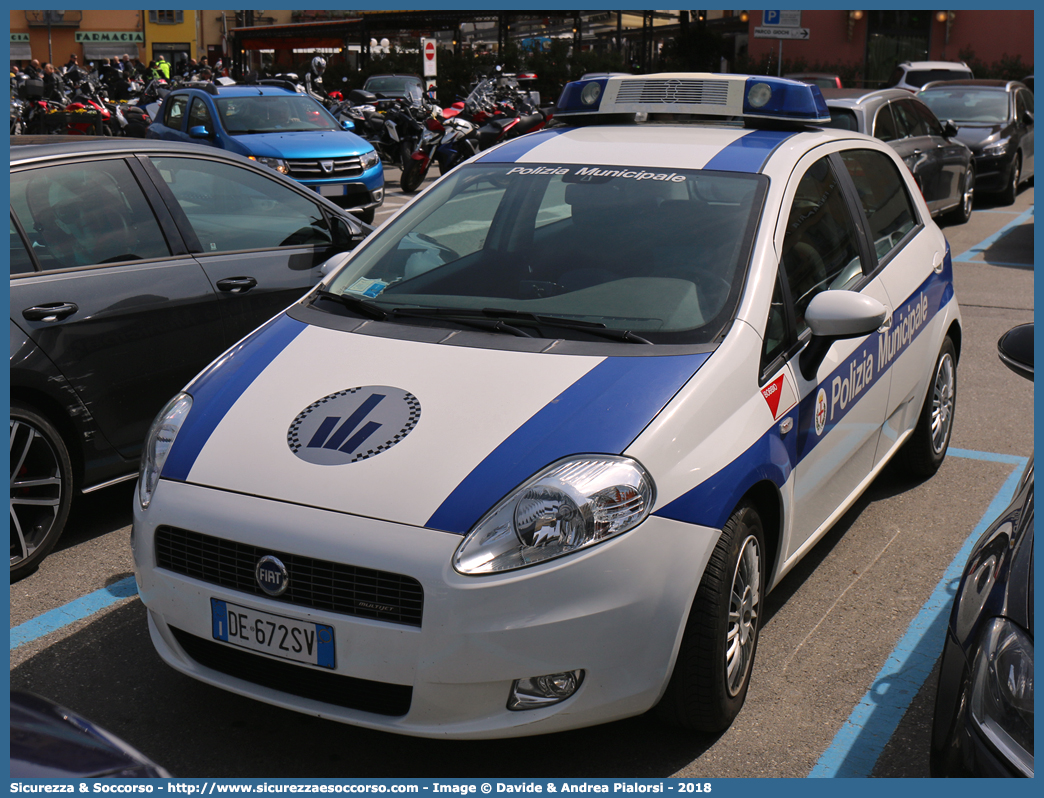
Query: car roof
x: 250, y: 90
x: 394, y: 75
x: 955, y: 65
x: 811, y: 75
x: 984, y: 83
x: 25, y: 149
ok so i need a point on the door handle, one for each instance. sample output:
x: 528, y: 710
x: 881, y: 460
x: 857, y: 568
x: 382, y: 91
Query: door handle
x: 52, y: 311
x: 236, y: 285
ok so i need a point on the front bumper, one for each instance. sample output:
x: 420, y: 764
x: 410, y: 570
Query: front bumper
x: 993, y: 172
x: 359, y: 191
x: 616, y: 611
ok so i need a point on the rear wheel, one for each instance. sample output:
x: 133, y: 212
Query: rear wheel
x: 41, y: 488
x: 709, y: 683
x: 925, y: 451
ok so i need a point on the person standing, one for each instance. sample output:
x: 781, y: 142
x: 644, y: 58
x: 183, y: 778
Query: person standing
x: 163, y: 67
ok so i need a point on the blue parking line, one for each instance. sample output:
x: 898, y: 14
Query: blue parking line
x: 986, y: 243
x: 77, y: 610
x: 859, y: 742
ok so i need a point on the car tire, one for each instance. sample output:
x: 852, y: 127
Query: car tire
x: 41, y: 488
x: 709, y: 683
x: 926, y: 449
x: 366, y: 215
x: 962, y: 213
x: 1007, y: 196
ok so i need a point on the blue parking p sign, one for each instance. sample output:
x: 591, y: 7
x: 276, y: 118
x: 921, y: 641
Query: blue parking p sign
x: 770, y: 18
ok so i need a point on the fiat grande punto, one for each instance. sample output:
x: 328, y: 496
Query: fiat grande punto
x: 532, y: 458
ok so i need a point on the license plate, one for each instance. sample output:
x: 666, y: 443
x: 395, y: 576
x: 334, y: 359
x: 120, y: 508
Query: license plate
x: 288, y: 638
x: 331, y: 191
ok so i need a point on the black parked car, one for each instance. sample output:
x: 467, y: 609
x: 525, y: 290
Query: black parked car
x: 941, y: 165
x: 983, y: 722
x: 49, y: 741
x: 995, y: 119
x: 133, y: 265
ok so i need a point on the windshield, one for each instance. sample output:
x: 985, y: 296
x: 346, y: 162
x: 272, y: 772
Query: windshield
x: 271, y: 114
x: 967, y: 105
x: 392, y: 84
x: 655, y: 252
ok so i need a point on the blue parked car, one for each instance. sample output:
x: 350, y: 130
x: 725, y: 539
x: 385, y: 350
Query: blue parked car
x: 286, y: 130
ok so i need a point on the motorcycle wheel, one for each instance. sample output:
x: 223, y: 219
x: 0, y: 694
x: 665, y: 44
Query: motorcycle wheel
x: 412, y: 177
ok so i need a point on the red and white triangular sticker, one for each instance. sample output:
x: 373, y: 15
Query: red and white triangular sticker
x: 779, y: 395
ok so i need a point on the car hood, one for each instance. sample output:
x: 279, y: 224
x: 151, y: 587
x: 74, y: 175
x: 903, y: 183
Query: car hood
x: 976, y: 136
x: 425, y: 434
x: 325, y: 144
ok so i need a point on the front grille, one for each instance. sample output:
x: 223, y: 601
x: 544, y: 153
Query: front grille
x: 342, y: 167
x: 380, y: 698
x: 696, y: 92
x: 316, y: 584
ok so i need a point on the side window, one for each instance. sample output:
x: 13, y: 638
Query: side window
x: 775, y: 328
x: 1027, y: 98
x: 882, y: 191
x: 931, y: 124
x: 820, y: 249
x: 233, y: 208
x: 21, y: 263
x: 884, y: 124
x: 199, y: 114
x: 175, y: 113
x: 907, y: 120
x: 85, y: 213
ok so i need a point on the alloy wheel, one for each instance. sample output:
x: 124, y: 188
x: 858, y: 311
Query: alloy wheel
x: 36, y: 489
x: 942, y: 403
x: 744, y: 605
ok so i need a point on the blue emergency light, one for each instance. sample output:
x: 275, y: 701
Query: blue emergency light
x: 694, y: 93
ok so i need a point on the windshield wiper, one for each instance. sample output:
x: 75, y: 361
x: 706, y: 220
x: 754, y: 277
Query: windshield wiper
x: 500, y: 315
x: 593, y: 327
x: 361, y: 306
x: 461, y: 317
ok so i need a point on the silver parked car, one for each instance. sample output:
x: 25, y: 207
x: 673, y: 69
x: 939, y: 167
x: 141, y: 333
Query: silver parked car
x: 941, y: 164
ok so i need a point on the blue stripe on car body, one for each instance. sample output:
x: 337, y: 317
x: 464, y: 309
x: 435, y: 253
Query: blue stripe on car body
x: 602, y: 412
x: 513, y: 150
x: 748, y: 153
x: 217, y: 389
x: 710, y: 503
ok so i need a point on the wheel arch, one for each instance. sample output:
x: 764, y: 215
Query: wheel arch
x: 766, y: 498
x: 59, y: 415
x: 954, y: 333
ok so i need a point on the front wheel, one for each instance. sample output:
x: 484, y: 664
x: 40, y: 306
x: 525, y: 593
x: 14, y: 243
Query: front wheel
x: 962, y: 213
x: 709, y: 683
x: 41, y: 488
x: 1007, y: 196
x: 413, y: 176
x: 926, y: 449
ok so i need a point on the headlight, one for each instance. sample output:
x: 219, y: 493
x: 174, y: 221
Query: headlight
x: 370, y: 159
x: 999, y: 148
x: 278, y: 164
x: 568, y: 506
x: 1002, y: 692
x: 157, y: 445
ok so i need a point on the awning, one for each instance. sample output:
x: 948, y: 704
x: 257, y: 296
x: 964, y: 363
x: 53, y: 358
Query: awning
x: 21, y: 51
x: 92, y: 51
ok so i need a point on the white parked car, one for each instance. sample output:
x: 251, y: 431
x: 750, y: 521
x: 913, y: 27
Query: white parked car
x: 532, y: 458
x: 911, y: 75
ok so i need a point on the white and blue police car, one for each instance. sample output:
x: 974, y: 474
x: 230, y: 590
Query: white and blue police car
x: 533, y: 456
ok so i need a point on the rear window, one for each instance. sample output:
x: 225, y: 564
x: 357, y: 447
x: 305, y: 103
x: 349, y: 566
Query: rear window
x: 842, y: 119
x: 962, y: 104
x: 658, y: 252
x: 918, y: 77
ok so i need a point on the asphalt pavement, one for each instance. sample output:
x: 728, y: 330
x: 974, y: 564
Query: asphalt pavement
x: 843, y: 681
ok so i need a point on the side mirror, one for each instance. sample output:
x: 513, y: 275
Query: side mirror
x: 1015, y: 348
x: 348, y: 124
x: 346, y: 236
x: 949, y: 128
x: 199, y: 132
x: 834, y: 316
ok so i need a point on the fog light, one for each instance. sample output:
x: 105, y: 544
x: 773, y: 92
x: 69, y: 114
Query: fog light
x: 543, y: 691
x: 378, y: 195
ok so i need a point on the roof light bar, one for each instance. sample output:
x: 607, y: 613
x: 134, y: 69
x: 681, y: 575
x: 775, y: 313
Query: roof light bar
x: 695, y: 93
